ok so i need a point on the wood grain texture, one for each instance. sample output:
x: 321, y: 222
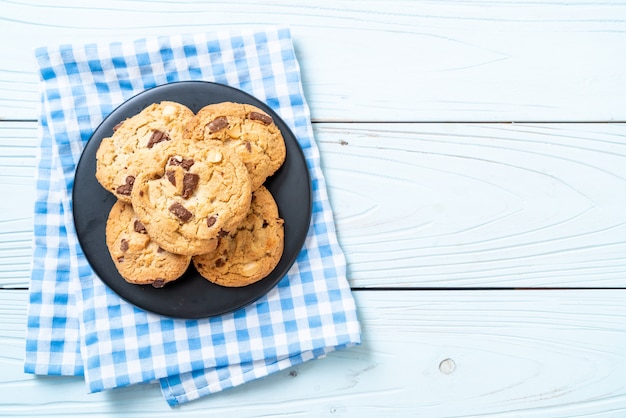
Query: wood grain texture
x: 401, y: 60
x: 17, y: 191
x: 515, y: 354
x: 466, y: 205
x: 433, y: 205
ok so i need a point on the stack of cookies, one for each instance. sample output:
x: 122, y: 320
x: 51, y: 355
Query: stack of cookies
x: 190, y: 190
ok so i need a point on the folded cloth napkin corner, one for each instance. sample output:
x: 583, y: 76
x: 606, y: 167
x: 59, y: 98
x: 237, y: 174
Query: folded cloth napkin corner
x: 77, y: 325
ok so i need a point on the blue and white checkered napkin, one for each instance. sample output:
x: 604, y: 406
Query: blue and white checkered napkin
x: 77, y: 326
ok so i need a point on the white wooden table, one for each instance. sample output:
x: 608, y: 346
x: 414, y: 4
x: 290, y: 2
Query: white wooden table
x: 476, y: 157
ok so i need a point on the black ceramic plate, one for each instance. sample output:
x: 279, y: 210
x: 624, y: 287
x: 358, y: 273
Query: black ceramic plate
x: 191, y: 296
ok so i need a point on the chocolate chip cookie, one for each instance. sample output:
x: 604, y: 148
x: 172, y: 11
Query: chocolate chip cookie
x: 139, y: 259
x: 199, y: 193
x: 136, y: 141
x: 247, y: 130
x: 252, y: 251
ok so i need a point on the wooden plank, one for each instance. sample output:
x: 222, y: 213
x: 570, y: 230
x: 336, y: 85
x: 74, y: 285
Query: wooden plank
x: 18, y: 147
x: 424, y: 353
x: 475, y: 205
x: 376, y: 61
x: 434, y: 205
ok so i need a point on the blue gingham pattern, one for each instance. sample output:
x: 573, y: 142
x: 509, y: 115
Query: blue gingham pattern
x: 77, y: 326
